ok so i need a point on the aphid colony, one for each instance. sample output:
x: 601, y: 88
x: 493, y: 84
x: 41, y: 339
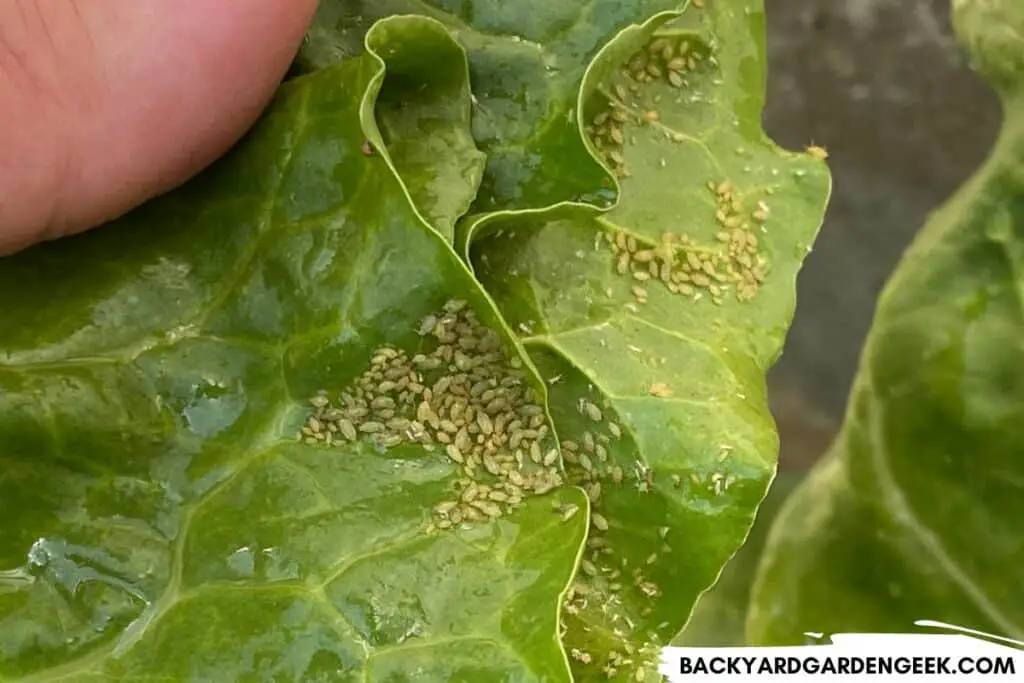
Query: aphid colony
x: 604, y: 576
x: 665, y: 59
x: 466, y: 400
x: 686, y: 268
x: 733, y: 265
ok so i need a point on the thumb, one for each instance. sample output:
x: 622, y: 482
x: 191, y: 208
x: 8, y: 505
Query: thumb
x: 106, y: 103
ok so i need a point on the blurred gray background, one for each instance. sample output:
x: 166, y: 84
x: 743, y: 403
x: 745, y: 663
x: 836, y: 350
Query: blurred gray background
x: 884, y: 86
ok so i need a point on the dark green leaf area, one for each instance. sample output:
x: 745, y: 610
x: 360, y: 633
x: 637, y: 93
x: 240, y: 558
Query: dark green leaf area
x: 159, y: 520
x: 526, y: 61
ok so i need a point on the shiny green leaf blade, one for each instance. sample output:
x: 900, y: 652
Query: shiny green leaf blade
x: 915, y: 513
x: 674, y: 355
x: 526, y: 62
x: 158, y: 519
x: 720, y: 617
x: 423, y: 113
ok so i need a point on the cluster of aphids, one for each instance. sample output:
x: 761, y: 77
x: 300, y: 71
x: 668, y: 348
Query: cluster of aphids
x: 666, y: 59
x: 605, y: 575
x: 684, y: 267
x: 466, y: 399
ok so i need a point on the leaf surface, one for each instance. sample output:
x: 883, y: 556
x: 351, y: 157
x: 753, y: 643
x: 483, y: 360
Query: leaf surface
x: 916, y: 511
x: 160, y: 522
x: 681, y: 374
x: 720, y: 617
x: 526, y: 62
x: 155, y: 405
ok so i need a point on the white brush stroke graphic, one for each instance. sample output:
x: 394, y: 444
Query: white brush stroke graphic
x: 966, y: 656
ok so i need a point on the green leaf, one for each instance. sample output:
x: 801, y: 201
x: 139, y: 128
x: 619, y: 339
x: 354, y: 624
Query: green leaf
x: 160, y: 522
x: 682, y: 375
x: 720, y: 616
x: 423, y: 112
x: 526, y: 62
x: 915, y: 512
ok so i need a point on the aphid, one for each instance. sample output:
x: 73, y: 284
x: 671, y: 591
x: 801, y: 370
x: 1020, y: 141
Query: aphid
x: 488, y: 508
x: 551, y: 457
x: 424, y: 412
x: 588, y: 442
x: 592, y: 411
x: 599, y: 522
x: 462, y: 440
x: 569, y: 511
x: 660, y: 389
x: 444, y: 507
x: 484, y: 422
x: 817, y: 152
x: 616, y: 135
x: 383, y: 402
x: 622, y: 267
x: 650, y: 116
x: 371, y: 427
x: 454, y: 453
x: 644, y: 255
x: 531, y: 410
x: 657, y: 45
x: 615, y: 430
x: 585, y: 462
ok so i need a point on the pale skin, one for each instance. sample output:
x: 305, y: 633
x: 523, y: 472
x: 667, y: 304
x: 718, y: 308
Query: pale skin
x: 107, y: 103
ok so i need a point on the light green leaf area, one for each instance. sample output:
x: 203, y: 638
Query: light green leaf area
x: 916, y: 511
x: 526, y: 61
x: 158, y: 519
x: 669, y: 337
x: 423, y: 114
x: 720, y: 616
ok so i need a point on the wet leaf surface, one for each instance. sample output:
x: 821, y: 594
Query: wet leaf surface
x: 677, y: 364
x: 526, y: 62
x: 174, y: 478
x: 159, y: 520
